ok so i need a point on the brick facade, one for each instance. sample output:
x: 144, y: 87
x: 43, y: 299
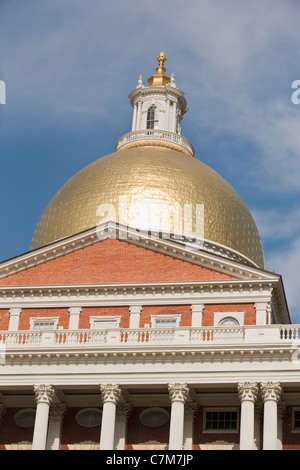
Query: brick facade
x: 112, y: 261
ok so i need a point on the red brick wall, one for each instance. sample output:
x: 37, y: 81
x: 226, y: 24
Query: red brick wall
x: 137, y: 433
x: 209, y: 310
x: 86, y: 313
x: 11, y: 433
x: 4, y: 319
x: 111, y: 261
x: 72, y: 433
x: 61, y: 313
x: 184, y: 310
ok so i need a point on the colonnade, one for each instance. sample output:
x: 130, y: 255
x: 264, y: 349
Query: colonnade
x: 47, y: 431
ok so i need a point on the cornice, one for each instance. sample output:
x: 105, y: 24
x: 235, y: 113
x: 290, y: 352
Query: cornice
x: 219, y: 355
x: 176, y: 293
x: 211, y: 256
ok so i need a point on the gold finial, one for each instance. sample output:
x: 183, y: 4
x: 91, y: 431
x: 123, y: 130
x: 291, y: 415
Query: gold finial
x: 159, y: 79
x: 161, y: 58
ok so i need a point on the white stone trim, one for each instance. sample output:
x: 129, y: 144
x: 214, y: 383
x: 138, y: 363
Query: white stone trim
x: 162, y: 316
x: 238, y: 316
x: 34, y: 320
x: 105, y: 319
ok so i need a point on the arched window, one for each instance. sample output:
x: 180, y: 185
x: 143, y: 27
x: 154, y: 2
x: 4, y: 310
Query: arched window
x: 229, y: 321
x: 151, y: 117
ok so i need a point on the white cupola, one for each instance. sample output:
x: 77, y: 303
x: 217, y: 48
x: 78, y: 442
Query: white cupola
x: 157, y: 113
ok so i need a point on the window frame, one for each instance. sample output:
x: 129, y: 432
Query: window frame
x: 294, y: 430
x: 169, y: 316
x: 34, y: 320
x: 149, y: 119
x: 220, y: 316
x: 224, y: 410
x: 105, y: 318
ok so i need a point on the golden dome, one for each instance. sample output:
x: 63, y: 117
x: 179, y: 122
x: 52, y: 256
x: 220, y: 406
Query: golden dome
x: 161, y: 177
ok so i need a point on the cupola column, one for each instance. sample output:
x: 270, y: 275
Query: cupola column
x: 110, y: 395
x: 138, y: 119
x: 134, y: 117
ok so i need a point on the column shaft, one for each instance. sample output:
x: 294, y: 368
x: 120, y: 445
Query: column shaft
x: 108, y: 426
x: 44, y: 395
x: 110, y: 397
x: 178, y: 396
x: 270, y: 425
x: 248, y: 395
x: 271, y: 395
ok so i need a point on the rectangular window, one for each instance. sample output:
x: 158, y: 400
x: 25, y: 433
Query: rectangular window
x: 165, y: 323
x: 221, y: 421
x: 297, y: 420
x: 44, y: 325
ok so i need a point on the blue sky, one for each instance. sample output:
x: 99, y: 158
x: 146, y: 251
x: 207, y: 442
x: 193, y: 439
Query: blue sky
x: 69, y: 66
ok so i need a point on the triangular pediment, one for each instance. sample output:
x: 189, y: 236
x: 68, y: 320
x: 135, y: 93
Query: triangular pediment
x: 115, y: 254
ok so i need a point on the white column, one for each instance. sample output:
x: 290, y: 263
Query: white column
x: 248, y: 395
x: 271, y: 395
x: 74, y: 317
x: 56, y: 416
x: 167, y: 115
x: 135, y: 313
x: 138, y: 119
x: 280, y: 417
x: 43, y: 395
x: 257, y: 425
x: 134, y: 118
x: 188, y: 428
x: 110, y: 395
x: 178, y: 396
x: 122, y: 412
x: 197, y: 310
x: 14, y: 318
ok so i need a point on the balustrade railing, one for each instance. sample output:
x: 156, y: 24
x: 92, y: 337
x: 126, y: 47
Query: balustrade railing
x: 152, y: 336
x: 155, y: 135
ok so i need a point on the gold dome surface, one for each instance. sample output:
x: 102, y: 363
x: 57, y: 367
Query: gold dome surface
x: 161, y: 177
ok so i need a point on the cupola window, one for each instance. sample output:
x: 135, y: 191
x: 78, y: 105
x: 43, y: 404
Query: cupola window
x: 151, y: 115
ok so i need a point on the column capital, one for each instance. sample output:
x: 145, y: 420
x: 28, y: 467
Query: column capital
x: 248, y: 391
x: 110, y: 392
x: 270, y: 391
x: 43, y: 393
x: 135, y: 308
x: 58, y: 411
x: 123, y: 411
x: 197, y: 307
x: 178, y: 392
x: 190, y: 409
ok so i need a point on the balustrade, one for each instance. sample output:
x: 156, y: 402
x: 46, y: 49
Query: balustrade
x: 149, y: 336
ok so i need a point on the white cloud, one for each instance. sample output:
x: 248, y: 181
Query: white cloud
x: 274, y: 225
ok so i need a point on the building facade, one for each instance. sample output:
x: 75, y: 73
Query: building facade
x: 129, y: 330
